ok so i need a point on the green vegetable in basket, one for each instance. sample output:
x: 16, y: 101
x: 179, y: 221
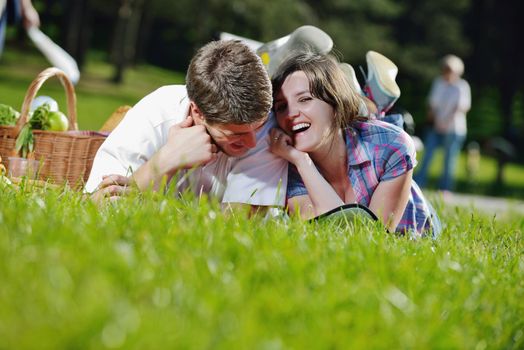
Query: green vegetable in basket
x: 38, y: 120
x: 42, y: 118
x: 57, y: 121
x: 8, y: 115
x: 25, y: 142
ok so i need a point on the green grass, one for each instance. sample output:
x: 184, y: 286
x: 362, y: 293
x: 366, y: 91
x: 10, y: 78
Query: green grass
x: 173, y: 273
x: 155, y: 272
x: 482, y: 181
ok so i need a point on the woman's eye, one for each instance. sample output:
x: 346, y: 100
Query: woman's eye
x: 305, y: 99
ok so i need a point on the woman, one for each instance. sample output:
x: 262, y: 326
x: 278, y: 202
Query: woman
x: 339, y: 157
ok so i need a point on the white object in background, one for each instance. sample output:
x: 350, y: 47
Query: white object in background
x: 351, y: 77
x: 273, y: 53
x: 381, y: 86
x: 306, y: 37
x: 40, y: 100
x: 252, y: 44
x: 57, y: 56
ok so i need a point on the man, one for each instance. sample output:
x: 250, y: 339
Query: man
x: 449, y: 101
x: 209, y: 136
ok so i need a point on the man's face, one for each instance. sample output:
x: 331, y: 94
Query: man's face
x: 235, y: 139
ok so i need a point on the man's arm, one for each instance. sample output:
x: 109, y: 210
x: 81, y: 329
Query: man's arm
x: 187, y: 146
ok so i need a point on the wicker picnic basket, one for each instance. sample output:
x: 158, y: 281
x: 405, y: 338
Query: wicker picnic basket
x: 65, y: 157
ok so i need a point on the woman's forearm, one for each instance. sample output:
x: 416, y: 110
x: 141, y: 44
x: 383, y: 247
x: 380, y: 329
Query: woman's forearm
x: 323, y: 196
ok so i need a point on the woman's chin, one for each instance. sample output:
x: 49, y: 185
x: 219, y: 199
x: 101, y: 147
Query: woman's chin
x: 305, y: 147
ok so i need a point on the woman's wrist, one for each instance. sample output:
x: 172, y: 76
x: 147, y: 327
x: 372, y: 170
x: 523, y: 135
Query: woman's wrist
x: 303, y: 162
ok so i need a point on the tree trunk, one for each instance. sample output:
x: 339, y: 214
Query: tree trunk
x: 511, y: 72
x: 126, y: 36
x: 78, y: 30
x: 143, y: 34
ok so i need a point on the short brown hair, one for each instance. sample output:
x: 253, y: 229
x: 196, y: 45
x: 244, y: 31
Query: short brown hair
x: 229, y: 84
x: 327, y: 82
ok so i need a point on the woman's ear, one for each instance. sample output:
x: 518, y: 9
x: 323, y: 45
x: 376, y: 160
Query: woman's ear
x: 195, y: 112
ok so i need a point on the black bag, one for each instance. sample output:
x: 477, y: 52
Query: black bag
x: 348, y: 213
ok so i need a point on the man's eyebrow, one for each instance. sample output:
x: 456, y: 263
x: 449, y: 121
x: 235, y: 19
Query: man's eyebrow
x: 247, y: 132
x: 258, y: 127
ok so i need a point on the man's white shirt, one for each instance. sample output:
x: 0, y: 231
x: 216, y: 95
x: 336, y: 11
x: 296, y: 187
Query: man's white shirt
x: 258, y: 177
x: 450, y: 102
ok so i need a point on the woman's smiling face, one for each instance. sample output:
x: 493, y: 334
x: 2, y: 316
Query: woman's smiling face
x: 307, y: 119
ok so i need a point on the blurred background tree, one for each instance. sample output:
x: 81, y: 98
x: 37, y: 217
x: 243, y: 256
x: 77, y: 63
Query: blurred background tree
x: 415, y: 34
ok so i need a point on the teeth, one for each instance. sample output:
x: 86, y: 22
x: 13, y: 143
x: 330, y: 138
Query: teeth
x: 300, y: 126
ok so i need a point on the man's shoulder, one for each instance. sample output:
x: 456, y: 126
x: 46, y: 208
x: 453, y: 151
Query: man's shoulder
x: 463, y: 83
x: 168, y: 103
x: 167, y: 94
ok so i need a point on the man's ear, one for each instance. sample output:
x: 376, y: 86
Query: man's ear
x: 195, y: 112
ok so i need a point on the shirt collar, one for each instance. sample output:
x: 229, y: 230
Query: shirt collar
x: 357, y: 150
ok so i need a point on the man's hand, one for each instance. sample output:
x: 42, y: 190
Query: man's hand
x: 281, y: 144
x: 112, y: 187
x: 187, y: 146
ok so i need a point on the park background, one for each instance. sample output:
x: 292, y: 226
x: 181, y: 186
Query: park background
x: 127, y: 48
x: 158, y: 272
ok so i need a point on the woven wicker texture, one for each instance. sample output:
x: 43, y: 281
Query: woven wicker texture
x: 65, y: 157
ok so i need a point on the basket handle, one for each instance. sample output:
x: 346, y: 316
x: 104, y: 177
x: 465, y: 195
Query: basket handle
x: 30, y: 95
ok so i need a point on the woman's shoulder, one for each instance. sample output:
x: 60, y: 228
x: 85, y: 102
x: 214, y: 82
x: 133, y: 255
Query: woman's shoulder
x: 378, y: 133
x: 375, y: 128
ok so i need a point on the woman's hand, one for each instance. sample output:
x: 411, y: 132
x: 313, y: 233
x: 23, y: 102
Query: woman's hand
x: 281, y: 144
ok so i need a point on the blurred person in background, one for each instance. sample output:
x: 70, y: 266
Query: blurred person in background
x: 12, y: 11
x: 449, y: 101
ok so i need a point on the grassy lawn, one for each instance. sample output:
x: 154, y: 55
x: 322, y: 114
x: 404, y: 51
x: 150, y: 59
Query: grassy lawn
x: 155, y: 272
x: 78, y: 276
x: 481, y: 182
